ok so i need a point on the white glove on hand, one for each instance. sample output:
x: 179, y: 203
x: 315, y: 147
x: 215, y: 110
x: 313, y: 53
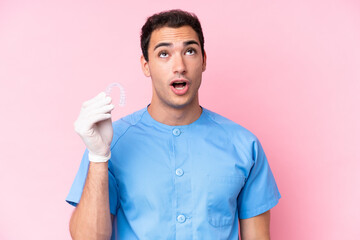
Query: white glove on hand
x: 95, y: 127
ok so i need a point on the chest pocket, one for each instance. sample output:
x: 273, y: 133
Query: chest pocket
x: 221, y: 202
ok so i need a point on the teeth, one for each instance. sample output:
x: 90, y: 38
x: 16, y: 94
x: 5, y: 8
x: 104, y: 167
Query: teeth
x: 182, y: 87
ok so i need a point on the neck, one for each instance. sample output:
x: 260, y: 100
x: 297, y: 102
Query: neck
x: 175, y: 116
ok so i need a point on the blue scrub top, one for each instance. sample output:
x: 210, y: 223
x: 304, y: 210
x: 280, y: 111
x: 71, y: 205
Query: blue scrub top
x: 183, y: 182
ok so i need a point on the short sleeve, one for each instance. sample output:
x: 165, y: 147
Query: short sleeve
x: 260, y: 192
x: 77, y: 187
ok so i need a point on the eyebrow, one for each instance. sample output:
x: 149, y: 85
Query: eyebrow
x: 166, y: 44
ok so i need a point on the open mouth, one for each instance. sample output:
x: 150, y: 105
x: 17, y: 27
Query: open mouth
x: 179, y: 85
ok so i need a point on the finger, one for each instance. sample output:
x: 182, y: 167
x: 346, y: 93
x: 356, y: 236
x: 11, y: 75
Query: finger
x: 101, y: 95
x: 100, y: 117
x: 96, y: 110
x: 86, y: 119
x: 103, y: 109
x: 100, y: 103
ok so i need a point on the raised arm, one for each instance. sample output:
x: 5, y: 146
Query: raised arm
x: 92, y: 219
x: 256, y: 228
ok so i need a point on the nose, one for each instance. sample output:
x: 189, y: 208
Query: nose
x: 179, y: 66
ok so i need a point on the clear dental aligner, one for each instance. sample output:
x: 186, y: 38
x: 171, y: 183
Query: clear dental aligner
x: 122, y: 92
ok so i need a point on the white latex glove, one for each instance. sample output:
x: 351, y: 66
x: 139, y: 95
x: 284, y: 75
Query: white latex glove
x: 95, y: 127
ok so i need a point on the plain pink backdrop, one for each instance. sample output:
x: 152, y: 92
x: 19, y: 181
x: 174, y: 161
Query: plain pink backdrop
x: 289, y: 71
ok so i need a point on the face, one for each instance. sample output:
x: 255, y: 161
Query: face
x: 175, y: 66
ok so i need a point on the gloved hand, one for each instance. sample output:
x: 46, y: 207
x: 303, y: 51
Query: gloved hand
x: 95, y: 127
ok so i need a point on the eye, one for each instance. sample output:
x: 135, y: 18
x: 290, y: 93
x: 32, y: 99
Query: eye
x: 163, y: 54
x: 190, y: 51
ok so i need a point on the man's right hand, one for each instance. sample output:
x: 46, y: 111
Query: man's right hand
x: 91, y: 218
x: 95, y: 127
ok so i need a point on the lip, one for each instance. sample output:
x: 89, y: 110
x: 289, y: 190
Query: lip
x: 180, y: 92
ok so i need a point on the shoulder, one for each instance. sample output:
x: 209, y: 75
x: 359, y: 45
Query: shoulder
x: 229, y: 126
x: 121, y: 126
x: 241, y: 138
x: 236, y: 133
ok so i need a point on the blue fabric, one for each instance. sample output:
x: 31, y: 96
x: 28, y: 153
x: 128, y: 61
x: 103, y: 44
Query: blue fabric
x: 183, y: 182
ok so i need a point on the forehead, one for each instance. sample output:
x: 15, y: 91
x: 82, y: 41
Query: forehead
x: 173, y: 35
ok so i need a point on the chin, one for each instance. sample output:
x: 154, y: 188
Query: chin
x: 181, y: 105
x: 185, y: 102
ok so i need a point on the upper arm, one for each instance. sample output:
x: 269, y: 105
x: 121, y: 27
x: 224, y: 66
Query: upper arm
x: 259, y: 193
x: 257, y: 227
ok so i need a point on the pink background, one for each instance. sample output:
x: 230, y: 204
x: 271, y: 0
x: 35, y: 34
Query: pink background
x: 289, y: 71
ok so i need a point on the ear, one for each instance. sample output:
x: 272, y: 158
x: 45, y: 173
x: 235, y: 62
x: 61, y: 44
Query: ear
x: 204, y: 62
x: 145, y: 66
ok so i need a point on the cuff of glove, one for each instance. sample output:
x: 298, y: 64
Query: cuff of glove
x: 97, y: 158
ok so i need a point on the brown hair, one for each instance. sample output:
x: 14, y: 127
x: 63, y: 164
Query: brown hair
x: 173, y: 18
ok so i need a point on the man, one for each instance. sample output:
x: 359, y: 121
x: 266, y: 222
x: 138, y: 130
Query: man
x: 173, y: 170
